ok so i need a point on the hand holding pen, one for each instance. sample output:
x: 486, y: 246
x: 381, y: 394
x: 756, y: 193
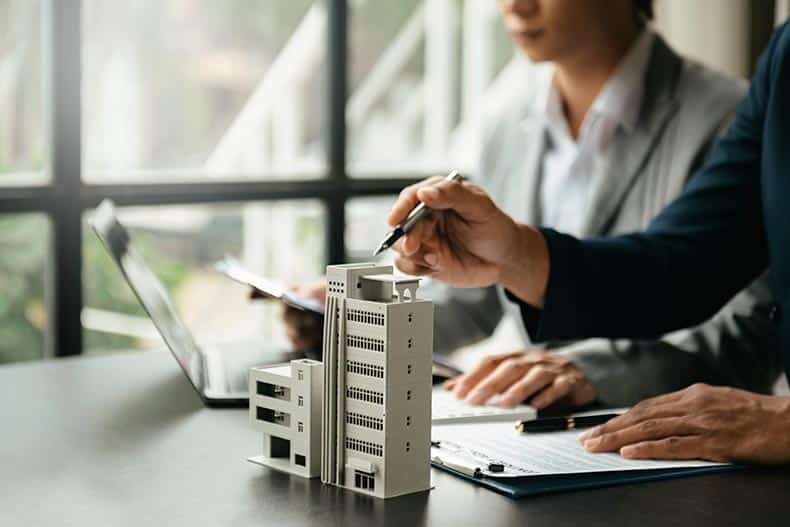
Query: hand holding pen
x: 465, y: 241
x: 418, y: 213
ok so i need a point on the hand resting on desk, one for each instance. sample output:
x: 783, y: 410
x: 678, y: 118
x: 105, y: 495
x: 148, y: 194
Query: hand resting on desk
x: 700, y: 422
x: 537, y: 377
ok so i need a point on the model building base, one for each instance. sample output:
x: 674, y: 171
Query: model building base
x: 280, y: 465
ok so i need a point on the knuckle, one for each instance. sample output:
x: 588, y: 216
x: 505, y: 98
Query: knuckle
x: 697, y: 388
x: 489, y: 361
x: 408, y: 192
x: 648, y: 426
x: 639, y: 407
x: 540, y: 370
x: 510, y: 363
x: 609, y: 439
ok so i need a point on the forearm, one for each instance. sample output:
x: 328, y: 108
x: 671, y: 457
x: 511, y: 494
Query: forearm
x: 525, y: 272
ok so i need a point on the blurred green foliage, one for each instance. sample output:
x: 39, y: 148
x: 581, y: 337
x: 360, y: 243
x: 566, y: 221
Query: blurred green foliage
x: 23, y: 246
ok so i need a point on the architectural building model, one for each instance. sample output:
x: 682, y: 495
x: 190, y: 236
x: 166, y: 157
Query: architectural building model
x: 285, y: 404
x: 378, y: 341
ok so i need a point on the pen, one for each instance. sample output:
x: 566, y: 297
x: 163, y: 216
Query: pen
x: 416, y: 214
x: 554, y: 424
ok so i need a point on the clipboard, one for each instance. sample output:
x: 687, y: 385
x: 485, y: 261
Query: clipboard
x: 516, y: 488
x: 267, y: 288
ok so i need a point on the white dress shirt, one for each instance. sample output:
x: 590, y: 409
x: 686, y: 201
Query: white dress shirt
x: 569, y: 165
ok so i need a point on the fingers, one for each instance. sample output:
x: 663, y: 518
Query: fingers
x: 656, y: 407
x: 407, y: 200
x: 466, y: 382
x: 410, y: 267
x: 562, y: 386
x: 422, y: 232
x: 503, y: 376
x: 536, y: 379
x: 648, y: 430
x: 468, y: 200
x: 674, y: 447
x: 440, y: 194
x: 450, y: 384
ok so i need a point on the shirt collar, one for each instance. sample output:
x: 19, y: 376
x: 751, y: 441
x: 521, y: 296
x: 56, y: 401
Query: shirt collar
x: 619, y: 100
x: 621, y: 97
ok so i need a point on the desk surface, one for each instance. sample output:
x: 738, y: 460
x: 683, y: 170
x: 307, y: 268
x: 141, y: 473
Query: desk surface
x: 123, y: 440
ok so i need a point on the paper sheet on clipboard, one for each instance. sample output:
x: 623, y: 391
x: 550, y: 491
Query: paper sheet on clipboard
x: 475, y: 445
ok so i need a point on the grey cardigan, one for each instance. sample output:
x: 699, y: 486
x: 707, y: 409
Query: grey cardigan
x: 685, y: 107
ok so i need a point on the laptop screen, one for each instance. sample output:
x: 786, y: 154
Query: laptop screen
x: 151, y: 293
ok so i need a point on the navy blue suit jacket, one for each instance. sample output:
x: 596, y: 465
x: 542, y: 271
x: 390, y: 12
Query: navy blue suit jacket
x: 732, y: 222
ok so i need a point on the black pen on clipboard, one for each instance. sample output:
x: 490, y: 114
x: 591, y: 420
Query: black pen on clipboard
x: 557, y: 424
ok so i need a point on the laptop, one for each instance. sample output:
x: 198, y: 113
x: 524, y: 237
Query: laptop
x: 218, y: 372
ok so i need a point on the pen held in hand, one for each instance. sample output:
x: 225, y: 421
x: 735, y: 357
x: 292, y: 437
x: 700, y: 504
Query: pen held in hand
x: 556, y: 424
x: 417, y: 213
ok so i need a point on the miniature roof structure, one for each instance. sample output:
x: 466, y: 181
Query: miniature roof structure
x: 404, y: 287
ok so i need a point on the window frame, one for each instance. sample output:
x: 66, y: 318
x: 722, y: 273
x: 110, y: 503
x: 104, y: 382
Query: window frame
x: 66, y: 196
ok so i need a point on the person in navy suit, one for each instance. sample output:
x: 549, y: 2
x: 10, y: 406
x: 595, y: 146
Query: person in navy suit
x: 731, y: 224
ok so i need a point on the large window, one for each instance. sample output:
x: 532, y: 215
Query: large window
x: 22, y: 144
x: 200, y: 89
x: 277, y: 132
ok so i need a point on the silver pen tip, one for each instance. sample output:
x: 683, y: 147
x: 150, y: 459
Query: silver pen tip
x: 379, y: 250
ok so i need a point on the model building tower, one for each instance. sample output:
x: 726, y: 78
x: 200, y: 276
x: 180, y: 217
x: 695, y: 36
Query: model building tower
x: 285, y: 404
x: 378, y: 341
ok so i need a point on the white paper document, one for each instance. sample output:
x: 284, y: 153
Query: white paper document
x: 476, y: 445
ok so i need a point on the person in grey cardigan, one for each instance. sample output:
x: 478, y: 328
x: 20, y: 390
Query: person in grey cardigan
x: 604, y: 141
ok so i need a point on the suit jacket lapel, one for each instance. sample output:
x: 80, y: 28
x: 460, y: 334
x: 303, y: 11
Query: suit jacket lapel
x: 534, y: 137
x: 617, y: 171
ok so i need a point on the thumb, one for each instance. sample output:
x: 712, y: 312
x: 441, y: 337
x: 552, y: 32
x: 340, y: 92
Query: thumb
x: 466, y: 199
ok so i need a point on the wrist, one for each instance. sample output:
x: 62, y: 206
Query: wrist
x: 525, y: 269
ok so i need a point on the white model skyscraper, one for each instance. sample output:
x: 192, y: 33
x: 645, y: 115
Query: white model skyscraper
x: 378, y: 342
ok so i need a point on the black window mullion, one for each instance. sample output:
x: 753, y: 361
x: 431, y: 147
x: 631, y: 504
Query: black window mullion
x: 337, y: 88
x: 62, y: 21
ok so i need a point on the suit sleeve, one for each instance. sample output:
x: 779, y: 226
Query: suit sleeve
x: 695, y: 256
x: 734, y: 348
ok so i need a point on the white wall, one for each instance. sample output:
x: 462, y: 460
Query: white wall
x: 782, y: 11
x: 715, y: 32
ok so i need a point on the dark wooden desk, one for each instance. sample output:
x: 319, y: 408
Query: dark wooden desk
x: 123, y: 440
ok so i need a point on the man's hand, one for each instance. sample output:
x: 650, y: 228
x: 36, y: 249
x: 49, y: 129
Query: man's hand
x: 700, y: 422
x: 544, y: 377
x: 468, y: 242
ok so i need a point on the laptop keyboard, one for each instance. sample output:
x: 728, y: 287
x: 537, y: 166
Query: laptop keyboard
x: 446, y: 408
